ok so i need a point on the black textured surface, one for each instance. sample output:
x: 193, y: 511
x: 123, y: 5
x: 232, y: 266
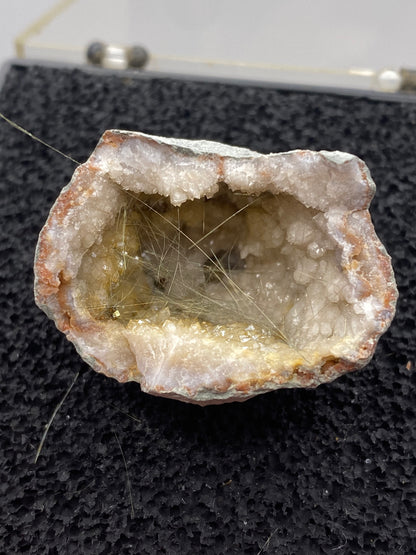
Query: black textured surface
x: 329, y: 470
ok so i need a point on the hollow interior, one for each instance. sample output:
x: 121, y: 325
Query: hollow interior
x: 262, y: 263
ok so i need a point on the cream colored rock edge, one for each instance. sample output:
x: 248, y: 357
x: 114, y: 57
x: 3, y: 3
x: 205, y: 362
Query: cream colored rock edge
x: 209, y: 273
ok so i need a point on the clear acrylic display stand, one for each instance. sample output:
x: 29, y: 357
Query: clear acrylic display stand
x: 353, y: 45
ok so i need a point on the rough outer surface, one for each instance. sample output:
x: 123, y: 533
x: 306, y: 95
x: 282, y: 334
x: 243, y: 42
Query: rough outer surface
x: 179, y: 358
x: 326, y: 470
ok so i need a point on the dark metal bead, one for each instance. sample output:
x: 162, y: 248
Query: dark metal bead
x: 95, y: 53
x: 137, y: 56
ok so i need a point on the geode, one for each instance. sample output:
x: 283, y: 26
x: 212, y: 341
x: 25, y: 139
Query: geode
x: 210, y: 273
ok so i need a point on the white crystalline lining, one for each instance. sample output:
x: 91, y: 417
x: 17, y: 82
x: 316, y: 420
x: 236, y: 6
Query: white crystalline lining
x: 142, y: 167
x: 318, y: 303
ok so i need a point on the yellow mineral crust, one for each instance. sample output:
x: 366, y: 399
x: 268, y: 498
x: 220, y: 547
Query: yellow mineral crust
x: 210, y: 273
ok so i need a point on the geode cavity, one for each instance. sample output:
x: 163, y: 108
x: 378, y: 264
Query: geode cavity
x: 210, y: 273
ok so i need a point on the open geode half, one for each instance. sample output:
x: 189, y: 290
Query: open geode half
x: 210, y: 273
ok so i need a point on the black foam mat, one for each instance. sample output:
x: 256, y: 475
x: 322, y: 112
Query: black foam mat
x: 330, y: 470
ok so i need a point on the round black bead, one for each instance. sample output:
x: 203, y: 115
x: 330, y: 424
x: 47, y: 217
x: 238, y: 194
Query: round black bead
x: 137, y: 56
x: 95, y: 53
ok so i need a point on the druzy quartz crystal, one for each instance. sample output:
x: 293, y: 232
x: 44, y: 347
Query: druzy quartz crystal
x: 210, y: 273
